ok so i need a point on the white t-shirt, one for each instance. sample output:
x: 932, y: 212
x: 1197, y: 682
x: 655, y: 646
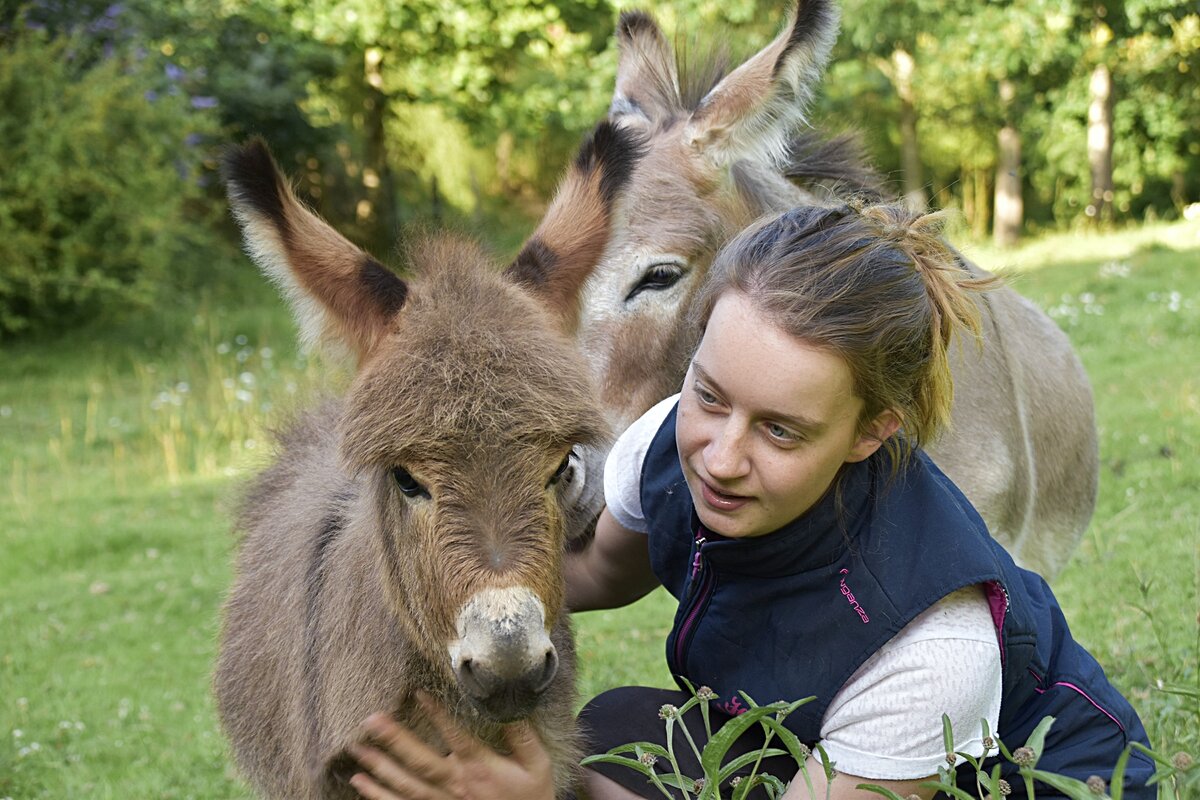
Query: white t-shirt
x: 886, y: 721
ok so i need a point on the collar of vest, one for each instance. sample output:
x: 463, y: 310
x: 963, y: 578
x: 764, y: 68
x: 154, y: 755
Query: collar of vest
x: 816, y: 539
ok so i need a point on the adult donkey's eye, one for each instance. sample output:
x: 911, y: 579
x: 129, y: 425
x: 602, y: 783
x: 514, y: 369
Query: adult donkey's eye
x: 407, y: 484
x: 562, y: 469
x: 656, y: 278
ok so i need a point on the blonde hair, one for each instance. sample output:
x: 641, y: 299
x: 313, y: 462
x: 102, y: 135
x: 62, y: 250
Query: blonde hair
x: 876, y: 285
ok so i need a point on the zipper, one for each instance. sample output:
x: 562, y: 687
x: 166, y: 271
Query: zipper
x: 696, y: 561
x: 698, y: 593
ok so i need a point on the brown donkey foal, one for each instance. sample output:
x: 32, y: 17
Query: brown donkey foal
x: 409, y: 534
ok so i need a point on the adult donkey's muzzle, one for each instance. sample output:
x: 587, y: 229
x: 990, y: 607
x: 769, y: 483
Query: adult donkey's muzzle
x: 503, y: 657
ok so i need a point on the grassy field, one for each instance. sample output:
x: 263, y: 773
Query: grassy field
x: 121, y: 449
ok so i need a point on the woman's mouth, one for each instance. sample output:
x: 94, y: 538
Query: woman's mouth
x: 721, y: 501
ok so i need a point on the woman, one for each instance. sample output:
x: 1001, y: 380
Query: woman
x: 783, y: 498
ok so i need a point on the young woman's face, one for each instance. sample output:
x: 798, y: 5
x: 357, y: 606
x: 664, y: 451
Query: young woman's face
x: 765, y: 422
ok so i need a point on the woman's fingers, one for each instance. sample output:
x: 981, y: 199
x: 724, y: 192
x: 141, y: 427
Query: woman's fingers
x: 367, y: 787
x: 415, y: 755
x: 526, y: 747
x: 459, y: 741
x: 389, y: 780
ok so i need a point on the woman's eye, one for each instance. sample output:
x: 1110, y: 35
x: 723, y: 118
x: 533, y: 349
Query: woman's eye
x: 407, y: 484
x: 561, y: 471
x: 776, y: 431
x: 705, y: 397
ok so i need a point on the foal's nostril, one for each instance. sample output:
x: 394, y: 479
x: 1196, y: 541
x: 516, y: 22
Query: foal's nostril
x: 476, y: 682
x: 548, y: 671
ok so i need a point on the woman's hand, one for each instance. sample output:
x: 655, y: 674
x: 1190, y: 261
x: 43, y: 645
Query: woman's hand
x: 405, y: 768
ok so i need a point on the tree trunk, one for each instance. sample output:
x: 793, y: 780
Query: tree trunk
x: 903, y: 68
x: 380, y: 212
x: 1100, y: 144
x: 1009, y: 208
x: 981, y: 204
x: 967, y: 186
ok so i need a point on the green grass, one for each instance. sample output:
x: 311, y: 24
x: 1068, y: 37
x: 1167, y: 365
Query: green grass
x: 121, y: 450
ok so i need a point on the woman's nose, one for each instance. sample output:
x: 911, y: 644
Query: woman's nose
x: 725, y: 456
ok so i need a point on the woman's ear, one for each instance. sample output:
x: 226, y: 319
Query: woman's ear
x: 883, y: 426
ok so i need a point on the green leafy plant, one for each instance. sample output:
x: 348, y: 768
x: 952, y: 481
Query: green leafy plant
x: 1177, y: 777
x: 712, y: 756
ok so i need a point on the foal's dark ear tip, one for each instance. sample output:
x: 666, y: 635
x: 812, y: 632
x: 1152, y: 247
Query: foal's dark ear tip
x: 634, y: 22
x: 243, y: 161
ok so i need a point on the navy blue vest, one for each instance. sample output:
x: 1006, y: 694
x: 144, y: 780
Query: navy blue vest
x: 795, y: 612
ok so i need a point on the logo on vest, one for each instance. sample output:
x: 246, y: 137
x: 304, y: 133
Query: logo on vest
x: 850, y: 599
x: 733, y: 707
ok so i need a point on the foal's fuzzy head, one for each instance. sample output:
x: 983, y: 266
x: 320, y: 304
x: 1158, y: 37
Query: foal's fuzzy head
x: 459, y: 425
x: 464, y: 419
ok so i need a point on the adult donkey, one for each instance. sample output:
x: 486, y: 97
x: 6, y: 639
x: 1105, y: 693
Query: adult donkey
x: 410, y: 534
x: 712, y: 152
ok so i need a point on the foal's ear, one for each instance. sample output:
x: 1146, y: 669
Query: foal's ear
x: 647, y: 80
x: 752, y: 111
x: 336, y: 290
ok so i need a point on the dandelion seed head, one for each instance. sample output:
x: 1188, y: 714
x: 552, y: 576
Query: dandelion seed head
x: 1005, y: 788
x: 668, y: 711
x: 1182, y: 761
x: 649, y: 759
x: 1096, y: 785
x: 1024, y: 757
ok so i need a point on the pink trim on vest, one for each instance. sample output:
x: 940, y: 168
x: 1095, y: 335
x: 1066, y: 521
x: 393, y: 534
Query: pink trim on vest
x: 1084, y: 694
x: 998, y: 605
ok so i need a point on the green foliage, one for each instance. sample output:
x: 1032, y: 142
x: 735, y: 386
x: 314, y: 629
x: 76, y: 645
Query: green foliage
x: 99, y: 197
x: 711, y: 757
x: 1047, y: 50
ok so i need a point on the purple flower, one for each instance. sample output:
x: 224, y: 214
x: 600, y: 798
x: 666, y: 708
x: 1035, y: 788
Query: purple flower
x: 151, y: 95
x: 204, y: 102
x: 174, y: 73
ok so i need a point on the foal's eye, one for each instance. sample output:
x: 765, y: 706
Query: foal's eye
x: 561, y: 471
x: 656, y: 278
x: 407, y: 484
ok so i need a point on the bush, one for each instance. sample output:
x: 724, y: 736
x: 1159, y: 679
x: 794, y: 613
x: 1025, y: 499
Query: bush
x: 99, y: 195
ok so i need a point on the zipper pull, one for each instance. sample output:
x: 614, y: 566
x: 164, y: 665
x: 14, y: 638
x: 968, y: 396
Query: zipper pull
x: 696, y: 560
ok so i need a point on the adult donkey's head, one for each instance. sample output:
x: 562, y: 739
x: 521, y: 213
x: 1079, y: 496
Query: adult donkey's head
x: 689, y: 156
x: 457, y: 432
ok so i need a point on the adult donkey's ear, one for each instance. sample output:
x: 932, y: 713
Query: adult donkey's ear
x: 556, y: 261
x: 647, y: 80
x: 751, y: 112
x: 336, y: 291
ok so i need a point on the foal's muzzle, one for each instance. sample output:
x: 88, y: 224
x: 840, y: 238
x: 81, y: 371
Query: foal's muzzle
x: 503, y: 657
